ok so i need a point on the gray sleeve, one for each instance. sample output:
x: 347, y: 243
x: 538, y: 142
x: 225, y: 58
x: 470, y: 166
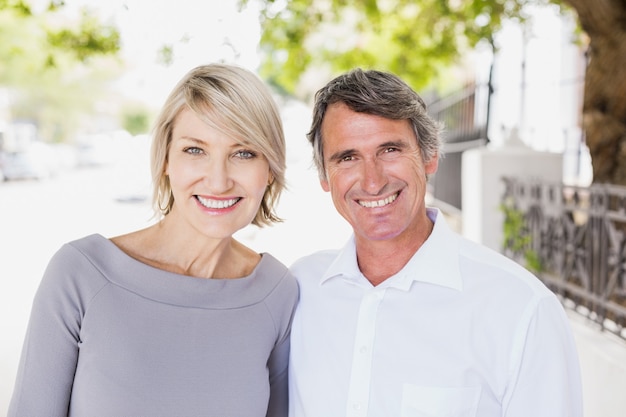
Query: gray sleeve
x: 285, y: 298
x: 46, y: 370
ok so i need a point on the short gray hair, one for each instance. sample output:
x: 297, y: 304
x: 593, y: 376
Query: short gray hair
x: 377, y: 93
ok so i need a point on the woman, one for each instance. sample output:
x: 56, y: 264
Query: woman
x: 177, y: 319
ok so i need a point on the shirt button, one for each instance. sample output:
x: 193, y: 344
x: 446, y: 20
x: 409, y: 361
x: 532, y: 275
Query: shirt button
x: 363, y: 349
x: 357, y: 406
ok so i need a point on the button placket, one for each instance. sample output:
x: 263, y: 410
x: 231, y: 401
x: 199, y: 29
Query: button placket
x: 358, y: 396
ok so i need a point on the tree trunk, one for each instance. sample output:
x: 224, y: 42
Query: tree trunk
x: 604, y: 105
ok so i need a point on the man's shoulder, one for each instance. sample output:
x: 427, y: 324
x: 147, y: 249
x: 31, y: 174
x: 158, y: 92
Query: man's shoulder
x: 313, y: 264
x: 324, y: 257
x: 483, y: 263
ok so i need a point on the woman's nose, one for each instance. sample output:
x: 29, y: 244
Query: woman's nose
x: 217, y: 176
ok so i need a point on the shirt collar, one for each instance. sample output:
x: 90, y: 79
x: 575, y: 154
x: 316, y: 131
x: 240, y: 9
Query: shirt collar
x: 436, y: 262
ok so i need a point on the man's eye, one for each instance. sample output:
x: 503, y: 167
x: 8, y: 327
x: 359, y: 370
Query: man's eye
x: 245, y: 154
x: 391, y: 149
x: 347, y: 158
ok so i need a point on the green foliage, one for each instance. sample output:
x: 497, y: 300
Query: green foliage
x: 416, y: 39
x: 21, y: 51
x: 516, y: 237
x: 55, y: 69
x: 60, y: 102
x: 87, y: 40
x: 165, y: 55
x: 136, y: 120
x: 19, y: 7
x: 34, y: 43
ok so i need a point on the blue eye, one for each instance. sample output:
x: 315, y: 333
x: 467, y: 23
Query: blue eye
x: 245, y: 154
x: 193, y: 150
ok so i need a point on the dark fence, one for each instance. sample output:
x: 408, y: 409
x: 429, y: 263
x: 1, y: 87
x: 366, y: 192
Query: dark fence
x: 574, y: 238
x: 465, y: 117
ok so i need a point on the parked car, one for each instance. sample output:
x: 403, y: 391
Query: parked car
x: 36, y: 161
x: 100, y: 149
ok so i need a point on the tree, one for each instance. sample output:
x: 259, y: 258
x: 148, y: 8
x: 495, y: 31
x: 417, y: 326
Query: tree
x: 136, y: 119
x: 604, y: 105
x: 417, y: 38
x: 49, y: 63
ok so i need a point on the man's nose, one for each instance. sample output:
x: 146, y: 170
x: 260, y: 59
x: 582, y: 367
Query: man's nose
x: 374, y: 178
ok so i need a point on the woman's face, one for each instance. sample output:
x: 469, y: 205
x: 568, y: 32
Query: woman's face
x: 217, y: 182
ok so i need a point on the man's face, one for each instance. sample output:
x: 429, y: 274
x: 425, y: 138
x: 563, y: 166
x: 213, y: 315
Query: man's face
x: 375, y: 173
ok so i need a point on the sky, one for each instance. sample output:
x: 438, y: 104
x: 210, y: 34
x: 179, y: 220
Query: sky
x: 199, y: 31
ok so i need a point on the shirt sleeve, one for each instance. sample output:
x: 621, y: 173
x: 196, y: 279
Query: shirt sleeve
x: 545, y: 378
x: 50, y: 352
x: 278, y: 402
x: 278, y: 363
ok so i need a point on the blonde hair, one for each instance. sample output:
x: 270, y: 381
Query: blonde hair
x: 235, y: 101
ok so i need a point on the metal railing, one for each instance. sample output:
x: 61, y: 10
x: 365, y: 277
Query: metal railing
x: 465, y: 117
x: 574, y: 238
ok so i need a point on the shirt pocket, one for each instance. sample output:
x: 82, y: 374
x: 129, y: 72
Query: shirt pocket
x: 420, y: 401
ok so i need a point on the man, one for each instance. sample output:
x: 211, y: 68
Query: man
x: 409, y: 318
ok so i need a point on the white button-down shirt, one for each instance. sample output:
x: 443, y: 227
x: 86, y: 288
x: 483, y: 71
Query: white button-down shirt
x: 460, y: 331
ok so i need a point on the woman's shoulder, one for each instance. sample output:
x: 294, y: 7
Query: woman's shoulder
x: 71, y: 269
x: 85, y: 247
x: 89, y: 243
x: 276, y: 274
x: 271, y: 266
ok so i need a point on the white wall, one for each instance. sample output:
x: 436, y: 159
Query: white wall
x: 483, y: 187
x: 538, y: 81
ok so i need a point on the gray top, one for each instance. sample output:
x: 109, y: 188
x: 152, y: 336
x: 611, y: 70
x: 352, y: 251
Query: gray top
x: 113, y: 337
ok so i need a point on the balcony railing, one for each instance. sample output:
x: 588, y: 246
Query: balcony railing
x: 465, y: 116
x: 574, y: 238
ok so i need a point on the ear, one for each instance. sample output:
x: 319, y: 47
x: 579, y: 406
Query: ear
x: 166, y: 167
x: 431, y: 166
x: 325, y: 185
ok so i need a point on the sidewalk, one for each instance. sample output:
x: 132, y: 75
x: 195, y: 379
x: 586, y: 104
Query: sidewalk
x: 603, y: 367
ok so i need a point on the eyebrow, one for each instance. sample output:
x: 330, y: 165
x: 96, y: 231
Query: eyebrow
x: 393, y: 144
x: 338, y: 156
x: 190, y: 138
x: 235, y: 144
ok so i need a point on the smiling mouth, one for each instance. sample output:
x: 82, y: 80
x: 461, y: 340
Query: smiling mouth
x: 379, y: 203
x: 217, y: 204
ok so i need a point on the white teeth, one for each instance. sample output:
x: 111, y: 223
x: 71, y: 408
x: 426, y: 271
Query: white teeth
x: 217, y: 204
x: 378, y: 203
